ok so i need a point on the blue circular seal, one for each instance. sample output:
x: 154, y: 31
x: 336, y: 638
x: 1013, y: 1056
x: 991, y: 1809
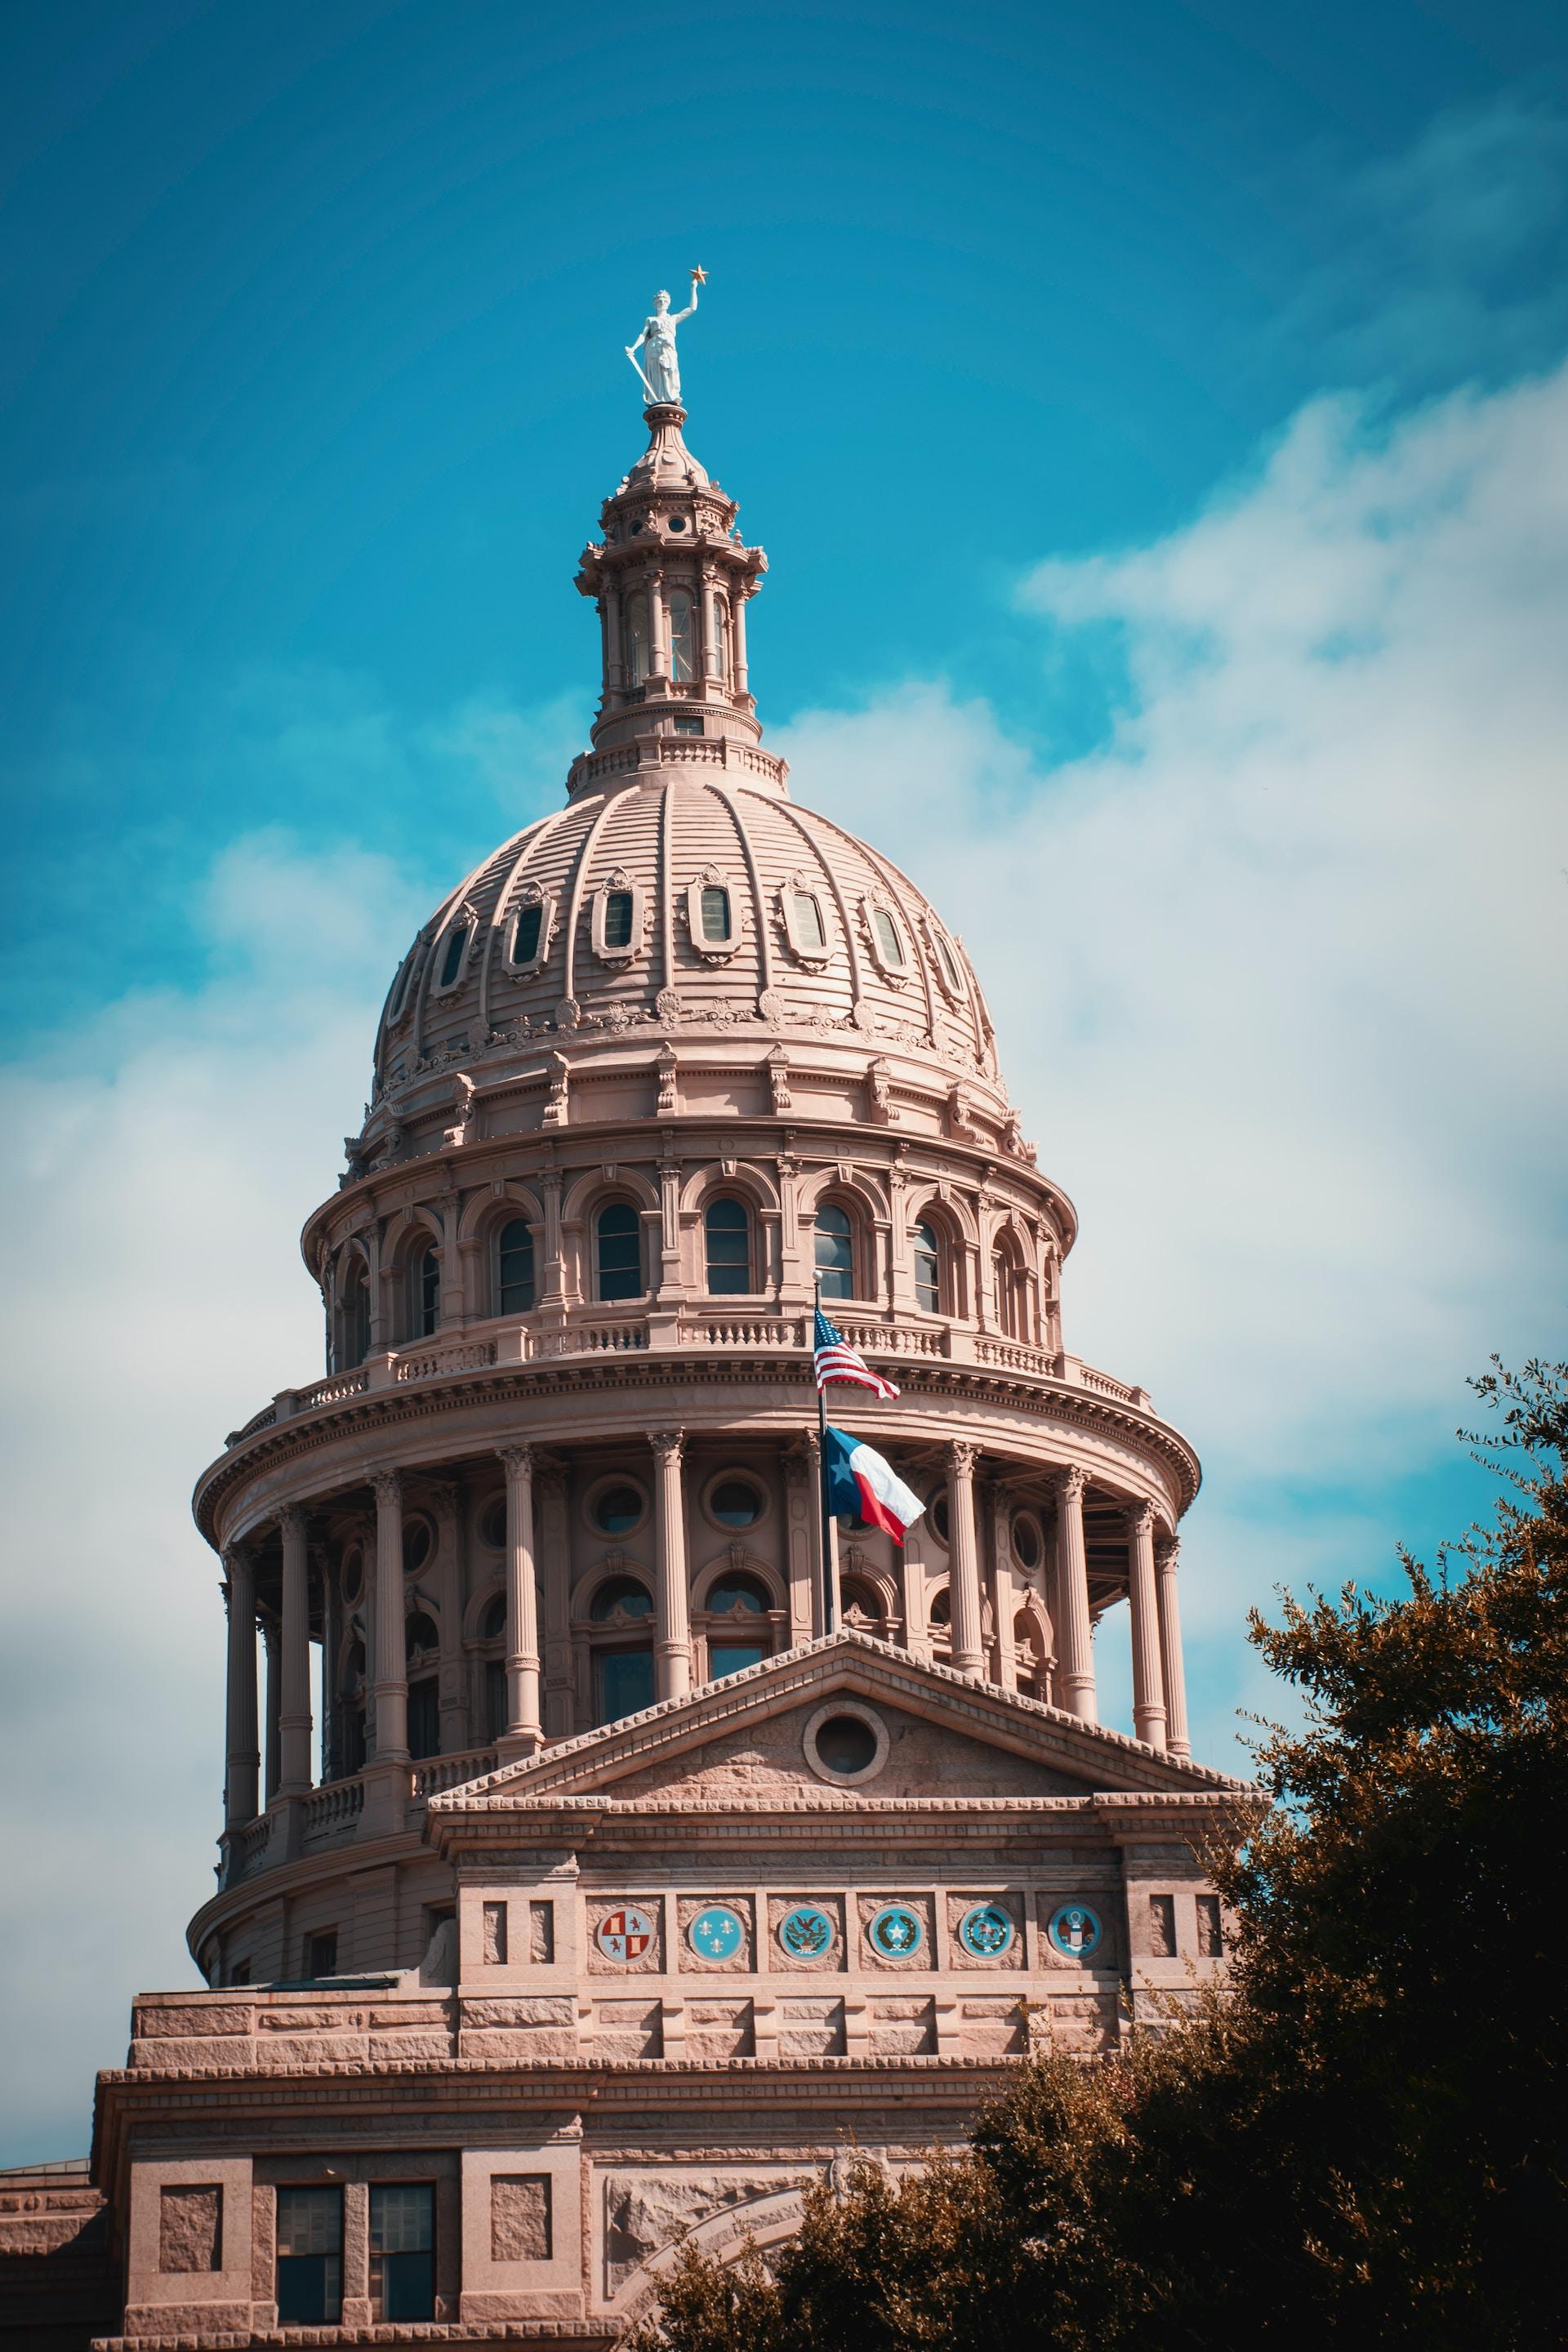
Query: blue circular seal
x: 896, y: 1932
x: 805, y: 1932
x: 716, y: 1933
x: 1075, y: 1931
x: 987, y: 1931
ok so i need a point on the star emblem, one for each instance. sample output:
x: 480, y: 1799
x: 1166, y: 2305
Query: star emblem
x: 700, y: 277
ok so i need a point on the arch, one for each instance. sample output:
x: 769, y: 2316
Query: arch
x: 352, y: 1308
x: 737, y: 1562
x: 422, y: 1302
x: 421, y: 1634
x: 747, y: 1177
x: 582, y: 1197
x: 601, y: 1594
x: 478, y: 1609
x: 1011, y: 1289
x: 484, y: 1210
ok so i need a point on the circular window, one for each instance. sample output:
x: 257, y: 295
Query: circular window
x: 846, y: 1743
x: 623, y: 1594
x: 1027, y: 1547
x: 416, y: 1540
x: 1075, y: 1931
x: 987, y: 1931
x: 492, y: 1524
x: 897, y: 1932
x: 716, y: 1933
x: 677, y: 522
x: 618, y: 1509
x: 936, y: 1514
x: 735, y: 1503
x: 805, y: 1933
x: 851, y: 1524
x: 625, y: 1935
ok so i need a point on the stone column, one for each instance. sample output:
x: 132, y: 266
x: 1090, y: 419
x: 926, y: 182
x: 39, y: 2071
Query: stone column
x: 672, y: 1647
x: 963, y: 1560
x: 615, y: 658
x: 560, y: 1667
x: 294, y: 1692
x: 738, y: 685
x: 522, y: 1732
x: 391, y: 1663
x: 1167, y: 1550
x: 244, y: 1754
x: 269, y: 1742
x: 1004, y: 1584
x: 658, y: 628
x: 1148, y: 1694
x: 1074, y: 1637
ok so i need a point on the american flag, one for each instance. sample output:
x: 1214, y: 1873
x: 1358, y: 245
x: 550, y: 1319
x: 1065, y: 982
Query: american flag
x: 835, y: 1359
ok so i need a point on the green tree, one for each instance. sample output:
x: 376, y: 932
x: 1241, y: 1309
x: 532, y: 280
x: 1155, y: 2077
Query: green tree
x: 1365, y: 2141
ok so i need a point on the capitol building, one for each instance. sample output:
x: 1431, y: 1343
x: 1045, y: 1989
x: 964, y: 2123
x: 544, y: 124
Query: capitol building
x: 600, y: 1863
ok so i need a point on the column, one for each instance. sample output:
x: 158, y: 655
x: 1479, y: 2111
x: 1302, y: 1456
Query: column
x: 1004, y: 1584
x: 672, y: 1647
x: 963, y: 1560
x: 738, y: 641
x: 331, y: 1643
x: 1148, y: 1694
x: 294, y: 1679
x: 522, y: 1732
x: 658, y: 631
x: 1075, y: 1673
x: 614, y: 661
x: 1167, y: 1550
x: 391, y: 1662
x: 244, y: 1755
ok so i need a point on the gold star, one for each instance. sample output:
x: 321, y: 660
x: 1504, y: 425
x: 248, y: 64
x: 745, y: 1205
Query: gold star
x: 700, y: 277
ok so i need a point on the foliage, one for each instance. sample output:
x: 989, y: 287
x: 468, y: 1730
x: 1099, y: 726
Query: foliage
x: 1365, y: 2141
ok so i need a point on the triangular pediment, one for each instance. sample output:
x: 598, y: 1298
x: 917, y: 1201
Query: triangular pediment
x: 940, y: 1735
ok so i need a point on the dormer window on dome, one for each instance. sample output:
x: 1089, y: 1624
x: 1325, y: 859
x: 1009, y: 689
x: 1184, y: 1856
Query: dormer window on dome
x: 532, y: 921
x: 885, y: 935
x: 805, y: 920
x: 618, y: 918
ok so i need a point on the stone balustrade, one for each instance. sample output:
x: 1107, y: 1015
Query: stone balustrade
x: 439, y: 1772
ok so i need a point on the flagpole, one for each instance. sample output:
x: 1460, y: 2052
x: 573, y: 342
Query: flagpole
x: 828, y: 1577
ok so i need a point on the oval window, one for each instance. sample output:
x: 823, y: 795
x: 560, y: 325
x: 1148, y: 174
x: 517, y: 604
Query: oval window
x: 617, y: 1509
x: 492, y: 1523
x: 415, y: 1546
x: 1027, y: 1543
x: 735, y: 1503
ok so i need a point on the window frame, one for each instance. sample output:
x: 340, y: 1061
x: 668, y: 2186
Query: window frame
x: 377, y: 2284
x: 332, y: 2297
x: 713, y: 951
x: 498, y: 1282
x: 618, y: 885
x: 751, y: 1287
x: 417, y: 1305
x: 804, y: 886
x: 591, y: 1495
x: 619, y: 1297
x: 530, y: 895
x: 897, y: 975
x: 856, y: 1248
x: 693, y: 671
x: 464, y: 919
x: 632, y: 644
x: 937, y: 1253
x: 943, y: 948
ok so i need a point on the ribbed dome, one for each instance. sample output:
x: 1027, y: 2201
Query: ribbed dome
x: 688, y: 894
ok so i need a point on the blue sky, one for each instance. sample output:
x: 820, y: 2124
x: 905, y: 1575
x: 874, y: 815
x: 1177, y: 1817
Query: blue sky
x: 1155, y: 419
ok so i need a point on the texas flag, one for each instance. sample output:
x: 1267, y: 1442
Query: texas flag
x: 861, y: 1485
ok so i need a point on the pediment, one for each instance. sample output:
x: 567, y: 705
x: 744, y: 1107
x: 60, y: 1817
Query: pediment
x: 944, y: 1736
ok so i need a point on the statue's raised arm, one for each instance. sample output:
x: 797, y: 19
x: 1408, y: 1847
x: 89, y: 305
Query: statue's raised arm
x: 658, y: 366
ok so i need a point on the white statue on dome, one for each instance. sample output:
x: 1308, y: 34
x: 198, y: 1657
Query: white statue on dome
x: 659, y: 368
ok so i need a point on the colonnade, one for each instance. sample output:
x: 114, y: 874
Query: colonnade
x: 1159, y: 1705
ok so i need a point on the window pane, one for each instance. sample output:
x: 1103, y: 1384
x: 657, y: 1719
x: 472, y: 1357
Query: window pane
x: 423, y: 1719
x: 736, y: 1504
x: 427, y: 1294
x: 720, y: 651
x: 617, y: 1510
x: 618, y: 919
x: 310, y: 2256
x: 619, y: 1241
x: 452, y: 961
x: 928, y: 1270
x: 949, y: 965
x: 495, y: 1697
x: 626, y: 1683
x: 636, y: 640
x: 715, y: 912
x: 526, y: 937
x: 742, y: 1592
x: 835, y: 1252
x: 810, y: 927
x: 887, y: 937
x: 625, y: 1593
x: 514, y: 1268
x: 732, y: 1657
x: 402, y: 2252
x: 680, y: 666
x: 728, y: 1233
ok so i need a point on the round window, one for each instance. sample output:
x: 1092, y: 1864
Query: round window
x: 897, y: 1932
x: 987, y: 1931
x: 415, y: 1545
x: 846, y: 1745
x: 617, y: 1509
x: 492, y: 1524
x: 352, y: 1574
x: 735, y: 1503
x: 1026, y: 1544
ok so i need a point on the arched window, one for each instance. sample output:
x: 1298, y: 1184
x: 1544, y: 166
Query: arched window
x: 682, y: 669
x: 621, y: 1593
x: 526, y: 930
x: 1007, y: 1288
x: 420, y: 1634
x: 425, y: 1293
x: 719, y: 649
x: 636, y: 639
x: 514, y: 1267
x: 617, y: 1237
x: 492, y: 1625
x: 942, y: 1608
x: 834, y: 1250
x: 889, y: 939
x: 738, y: 1590
x: 738, y: 1644
x: 456, y: 948
x: 810, y: 930
x: 928, y: 1270
x: 727, y: 1229
x: 355, y: 1316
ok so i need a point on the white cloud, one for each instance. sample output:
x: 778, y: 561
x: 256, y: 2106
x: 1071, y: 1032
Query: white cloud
x: 156, y: 1171
x: 1280, y: 971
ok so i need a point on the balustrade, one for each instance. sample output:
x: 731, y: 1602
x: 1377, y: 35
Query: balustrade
x: 441, y: 1772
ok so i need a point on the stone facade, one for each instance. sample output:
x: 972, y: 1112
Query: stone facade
x: 620, y: 1890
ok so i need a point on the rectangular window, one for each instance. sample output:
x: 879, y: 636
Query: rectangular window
x: 423, y: 1719
x: 731, y: 1657
x: 403, y: 2252
x: 240, y: 1972
x: 618, y: 919
x: 322, y: 1953
x: 715, y: 912
x: 310, y: 2281
x: 452, y: 961
x: 626, y: 1683
x: 495, y: 1697
x: 525, y: 937
x: 688, y: 726
x: 1163, y: 1927
x: 809, y: 928
x: 1211, y: 1936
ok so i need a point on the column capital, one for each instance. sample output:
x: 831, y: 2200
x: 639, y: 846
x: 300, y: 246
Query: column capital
x: 292, y: 1520
x: 962, y: 1457
x: 1070, y: 1482
x: 240, y: 1556
x: 1139, y: 1518
x: 387, y: 1485
x: 668, y: 1444
x: 1167, y: 1548
x: 518, y: 1461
